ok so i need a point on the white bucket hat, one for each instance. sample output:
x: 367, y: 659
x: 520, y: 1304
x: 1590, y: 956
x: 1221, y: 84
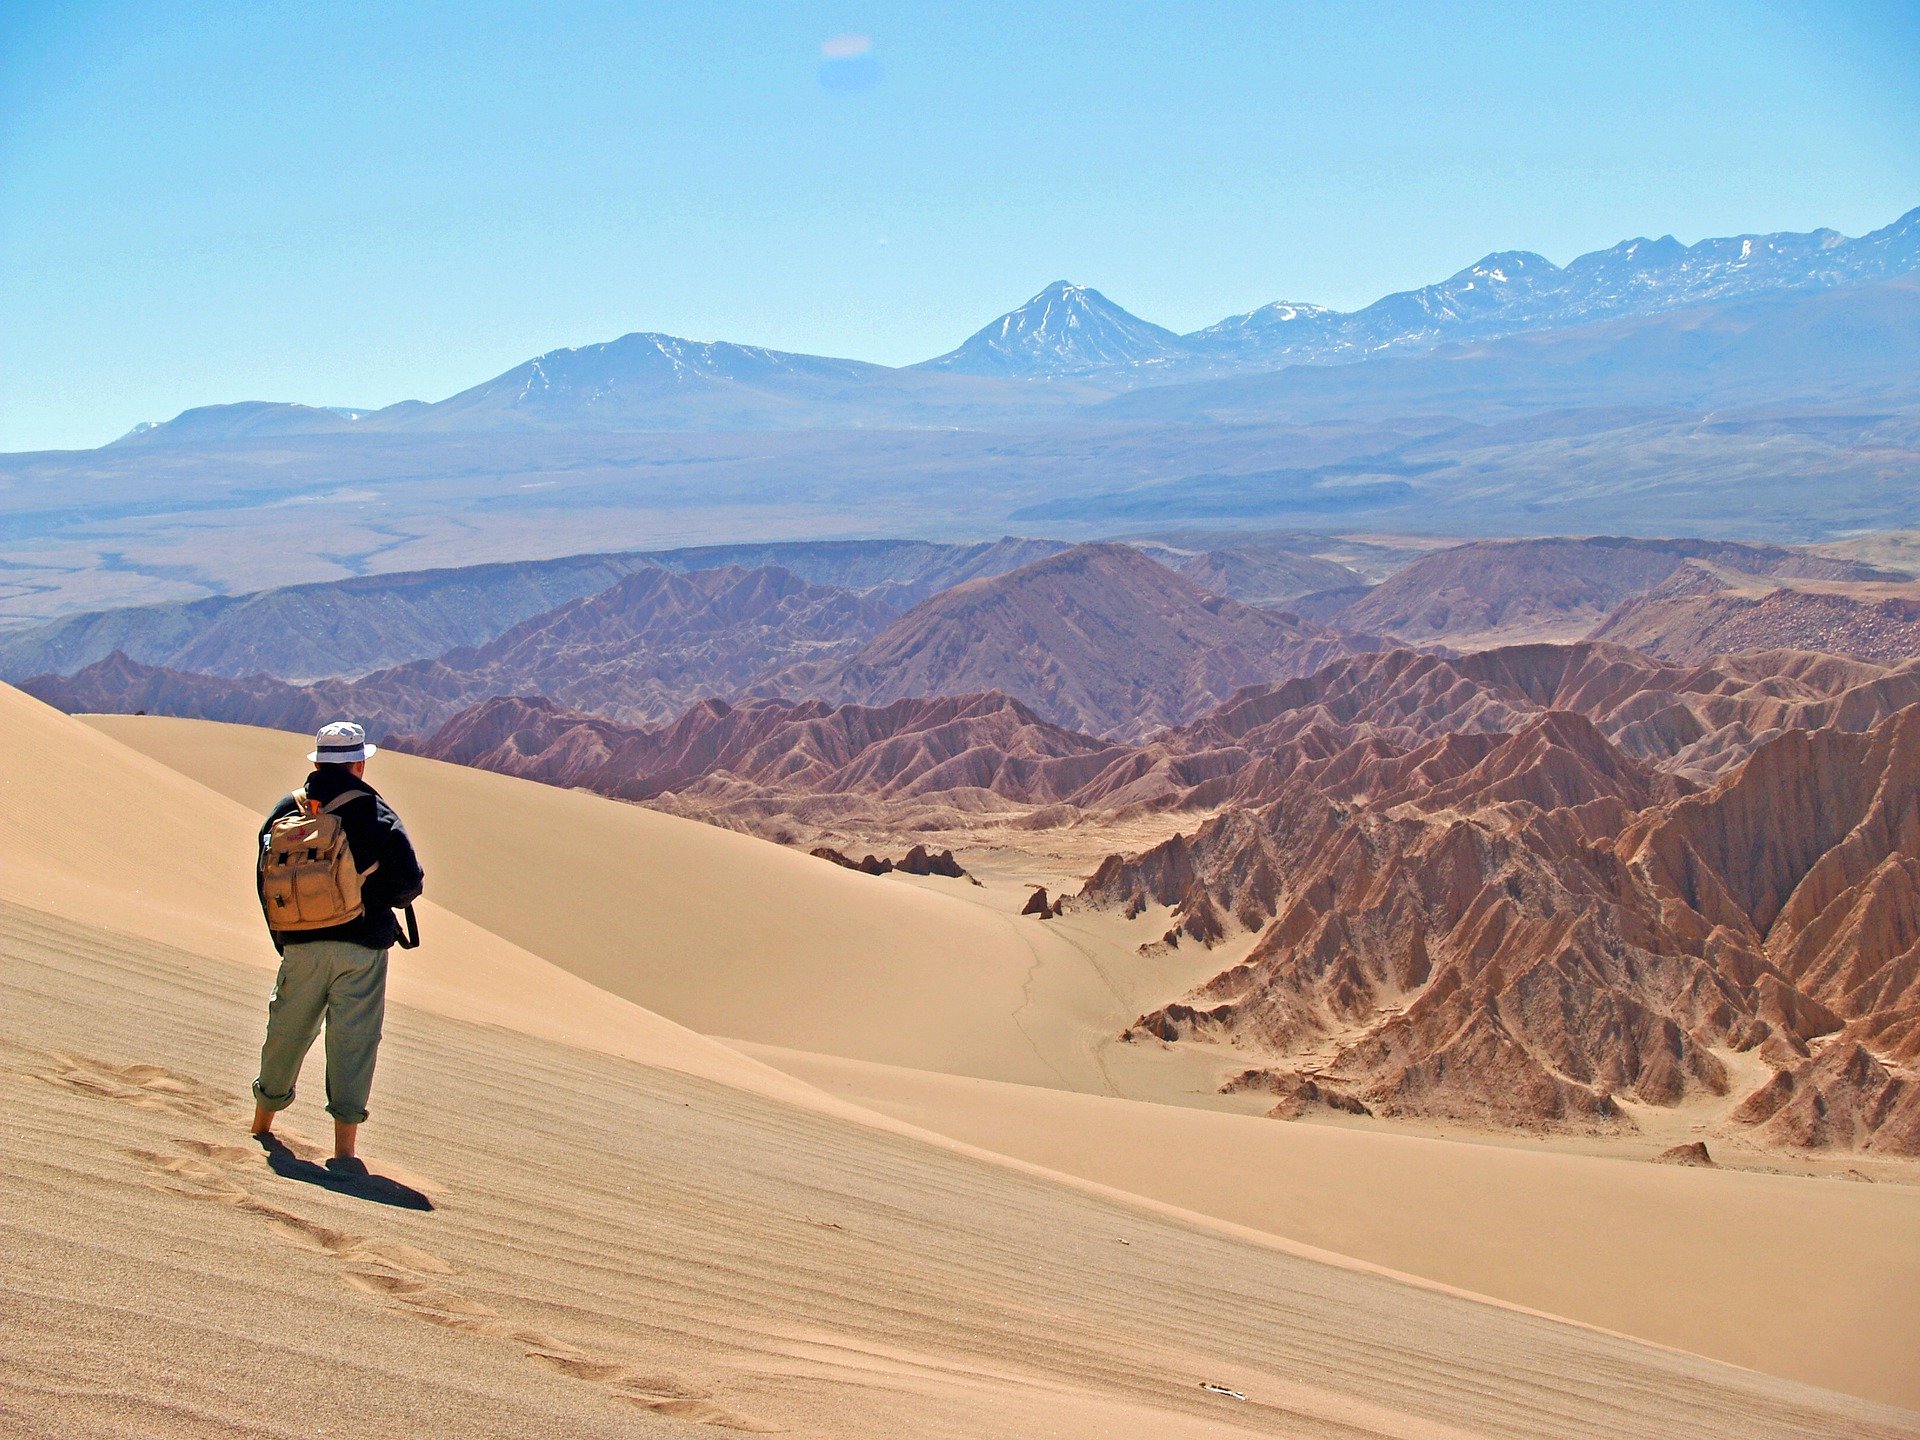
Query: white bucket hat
x: 341, y: 743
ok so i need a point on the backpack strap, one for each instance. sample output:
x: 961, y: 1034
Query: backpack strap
x: 340, y: 800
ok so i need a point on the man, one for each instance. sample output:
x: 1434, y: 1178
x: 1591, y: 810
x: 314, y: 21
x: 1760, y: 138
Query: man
x: 332, y: 971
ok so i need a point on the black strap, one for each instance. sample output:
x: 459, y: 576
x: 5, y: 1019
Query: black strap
x: 409, y: 936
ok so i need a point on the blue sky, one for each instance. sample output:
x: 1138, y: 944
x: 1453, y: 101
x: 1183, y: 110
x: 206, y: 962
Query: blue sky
x: 356, y: 204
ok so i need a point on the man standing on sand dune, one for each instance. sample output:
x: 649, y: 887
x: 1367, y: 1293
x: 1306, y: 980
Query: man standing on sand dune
x: 334, y: 863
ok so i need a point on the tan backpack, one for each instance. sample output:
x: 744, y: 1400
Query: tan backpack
x: 307, y: 875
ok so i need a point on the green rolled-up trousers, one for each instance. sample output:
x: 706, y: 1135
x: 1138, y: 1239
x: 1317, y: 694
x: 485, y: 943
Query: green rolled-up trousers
x: 344, y: 985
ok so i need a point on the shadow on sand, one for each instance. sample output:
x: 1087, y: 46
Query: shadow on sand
x: 343, y: 1177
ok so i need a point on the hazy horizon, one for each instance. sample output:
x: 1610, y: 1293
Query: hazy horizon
x: 342, y: 207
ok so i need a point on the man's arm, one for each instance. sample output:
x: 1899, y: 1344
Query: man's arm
x: 400, y: 877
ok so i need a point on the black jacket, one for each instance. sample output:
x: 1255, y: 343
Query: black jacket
x: 375, y: 836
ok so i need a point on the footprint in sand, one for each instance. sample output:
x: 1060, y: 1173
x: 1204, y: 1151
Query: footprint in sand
x: 156, y: 1088
x: 146, y: 1087
x: 183, y: 1175
x: 701, y: 1412
x: 391, y: 1270
x: 665, y: 1394
x: 226, y: 1154
x: 199, y: 1179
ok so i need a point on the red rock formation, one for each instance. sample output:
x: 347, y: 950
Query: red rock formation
x: 1502, y: 591
x: 1691, y: 1154
x: 1692, y: 721
x: 1699, y: 613
x: 1038, y: 904
x: 1298, y: 1094
x: 985, y: 743
x: 866, y: 865
x: 921, y: 861
x: 1545, y: 924
x: 1099, y: 638
x: 1846, y: 1098
x: 917, y: 861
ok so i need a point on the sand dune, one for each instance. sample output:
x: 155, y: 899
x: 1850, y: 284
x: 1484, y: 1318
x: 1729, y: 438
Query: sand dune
x: 1685, y: 1257
x: 684, y: 918
x: 615, y: 1248
x: 717, y: 931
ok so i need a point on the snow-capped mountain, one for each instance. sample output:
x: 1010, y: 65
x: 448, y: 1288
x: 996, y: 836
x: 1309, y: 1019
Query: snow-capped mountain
x: 650, y: 381
x: 1070, y: 330
x: 241, y: 420
x: 1066, y: 329
x: 1515, y: 291
x: 604, y: 385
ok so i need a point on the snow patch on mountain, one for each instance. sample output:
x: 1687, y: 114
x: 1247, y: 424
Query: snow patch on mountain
x: 1066, y: 329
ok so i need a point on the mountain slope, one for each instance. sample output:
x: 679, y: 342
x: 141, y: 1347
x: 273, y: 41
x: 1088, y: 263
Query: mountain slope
x: 1505, y: 591
x: 1700, y: 612
x: 241, y: 420
x: 1064, y: 330
x: 349, y: 627
x: 332, y: 627
x: 650, y: 381
x: 640, y: 651
x: 1099, y: 639
x: 1836, y: 345
x: 646, y: 380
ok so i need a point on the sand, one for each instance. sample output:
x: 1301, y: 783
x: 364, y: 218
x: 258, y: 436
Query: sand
x: 634, y: 1227
x: 721, y: 932
x: 1686, y: 1257
x: 1682, y: 1258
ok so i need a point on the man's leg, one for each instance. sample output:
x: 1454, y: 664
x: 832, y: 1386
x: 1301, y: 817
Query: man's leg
x: 293, y: 1020
x: 356, y: 1011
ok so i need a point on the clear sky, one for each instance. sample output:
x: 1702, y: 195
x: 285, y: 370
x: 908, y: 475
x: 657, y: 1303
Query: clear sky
x: 356, y: 204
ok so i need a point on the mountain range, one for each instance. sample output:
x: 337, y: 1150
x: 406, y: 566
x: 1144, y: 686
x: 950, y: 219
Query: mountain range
x: 348, y: 628
x: 1072, y: 333
x: 1758, y: 388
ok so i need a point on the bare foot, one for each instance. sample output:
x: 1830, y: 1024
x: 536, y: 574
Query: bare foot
x: 344, y: 1136
x: 262, y: 1120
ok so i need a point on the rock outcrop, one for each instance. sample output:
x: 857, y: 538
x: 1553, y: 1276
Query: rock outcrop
x: 1039, y: 904
x: 917, y: 861
x: 1694, y: 1153
x: 1543, y: 929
